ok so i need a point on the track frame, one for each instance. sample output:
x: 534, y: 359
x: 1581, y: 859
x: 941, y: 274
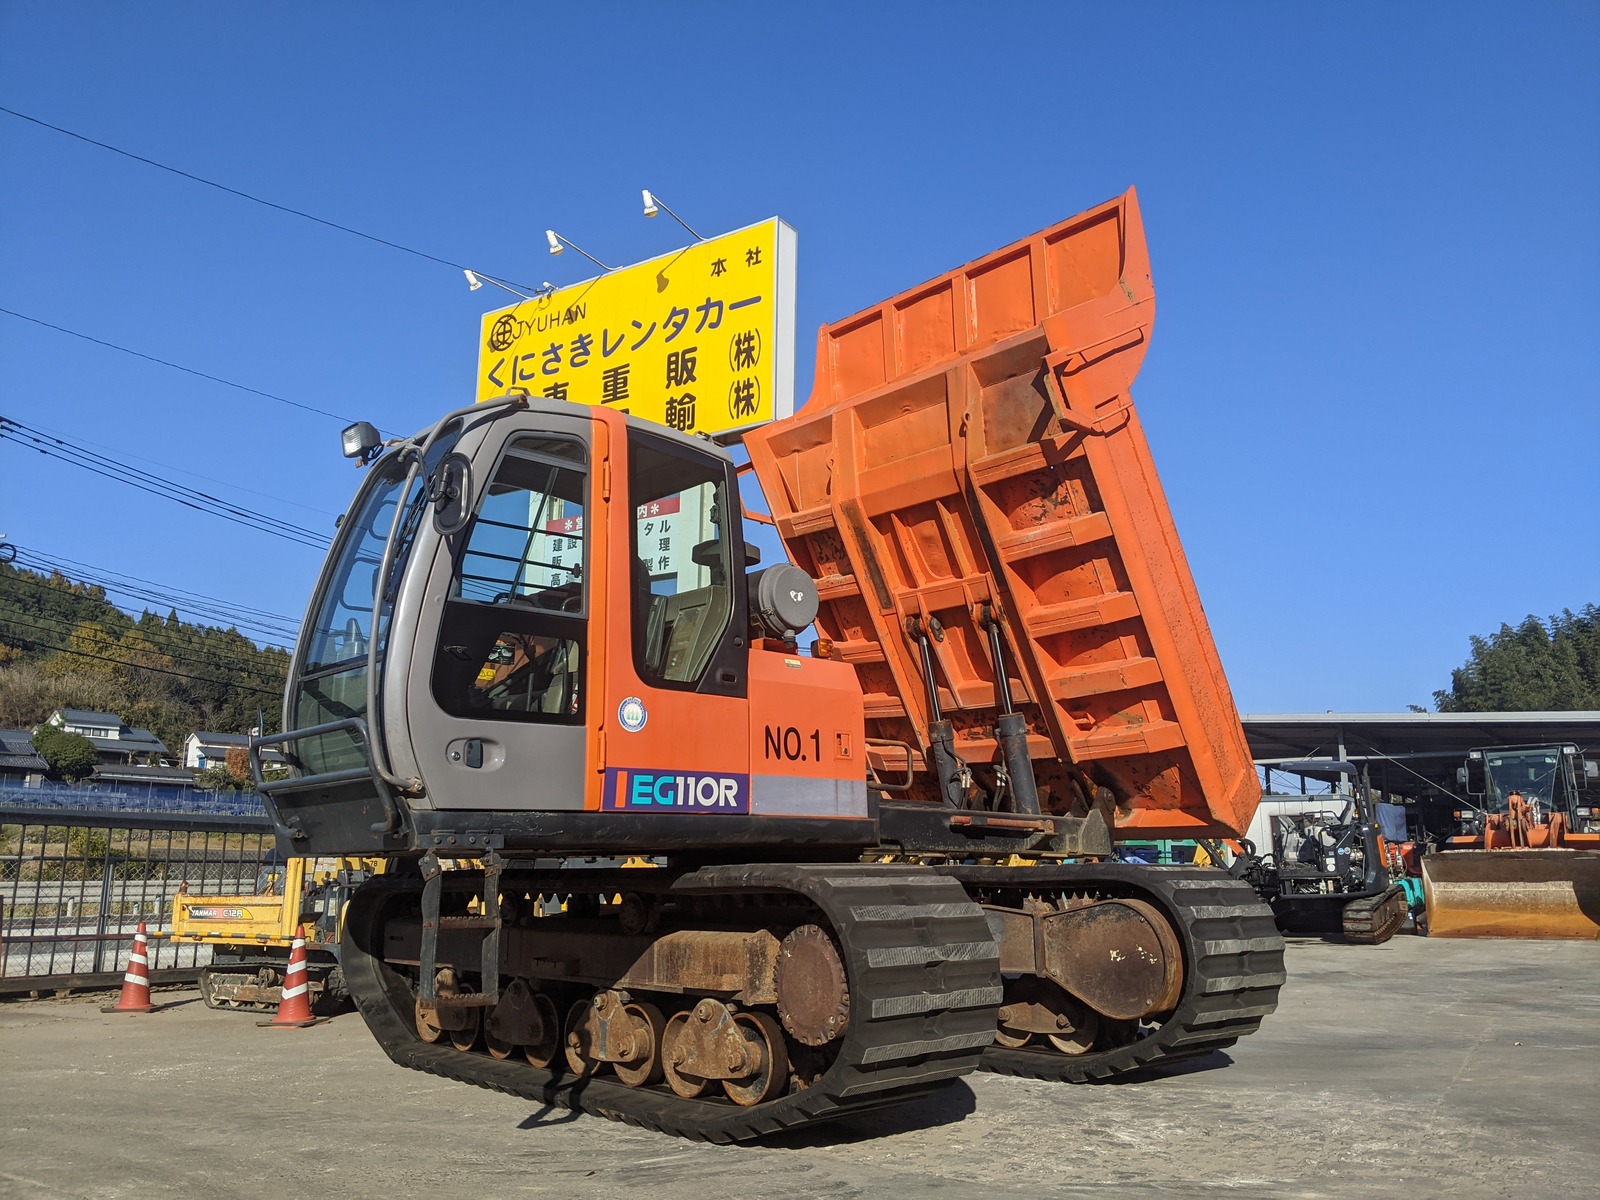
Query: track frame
x: 1232, y: 950
x: 921, y: 965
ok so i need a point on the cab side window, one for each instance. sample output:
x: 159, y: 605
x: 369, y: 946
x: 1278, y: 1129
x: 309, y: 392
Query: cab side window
x: 682, y: 591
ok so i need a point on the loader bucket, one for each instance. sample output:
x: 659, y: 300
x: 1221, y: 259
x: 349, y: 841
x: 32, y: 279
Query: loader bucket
x: 1513, y: 893
x: 973, y: 442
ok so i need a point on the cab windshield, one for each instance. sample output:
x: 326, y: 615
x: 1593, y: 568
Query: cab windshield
x: 1535, y: 775
x: 332, y: 676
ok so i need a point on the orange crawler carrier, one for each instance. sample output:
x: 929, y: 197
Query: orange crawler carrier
x: 971, y: 450
x: 876, y: 868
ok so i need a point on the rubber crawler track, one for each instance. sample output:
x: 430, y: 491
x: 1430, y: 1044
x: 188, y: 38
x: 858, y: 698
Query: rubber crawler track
x: 1233, y: 963
x: 1375, y: 920
x: 216, y: 1005
x: 923, y: 973
x: 323, y: 1002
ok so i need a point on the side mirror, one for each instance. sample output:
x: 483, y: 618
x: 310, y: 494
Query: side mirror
x: 1474, y: 780
x: 450, y: 489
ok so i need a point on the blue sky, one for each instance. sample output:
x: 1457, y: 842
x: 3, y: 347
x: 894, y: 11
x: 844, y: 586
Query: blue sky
x: 1373, y: 391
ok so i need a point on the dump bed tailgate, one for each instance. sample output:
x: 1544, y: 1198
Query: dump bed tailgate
x: 973, y: 440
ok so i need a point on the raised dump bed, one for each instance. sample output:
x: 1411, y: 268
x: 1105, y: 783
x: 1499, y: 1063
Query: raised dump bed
x: 973, y: 441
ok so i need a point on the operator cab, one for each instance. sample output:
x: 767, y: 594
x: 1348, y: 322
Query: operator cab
x: 1536, y: 775
x: 1550, y: 779
x: 271, y: 877
x: 1546, y: 777
x: 506, y: 615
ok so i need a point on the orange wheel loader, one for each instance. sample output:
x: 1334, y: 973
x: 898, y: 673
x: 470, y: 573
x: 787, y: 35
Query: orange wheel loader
x: 1526, y: 862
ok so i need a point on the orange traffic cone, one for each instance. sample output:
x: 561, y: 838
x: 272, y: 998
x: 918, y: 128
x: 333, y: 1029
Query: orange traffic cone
x: 135, y: 996
x: 294, y: 1009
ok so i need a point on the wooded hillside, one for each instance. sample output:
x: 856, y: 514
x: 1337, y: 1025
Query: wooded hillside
x: 64, y: 644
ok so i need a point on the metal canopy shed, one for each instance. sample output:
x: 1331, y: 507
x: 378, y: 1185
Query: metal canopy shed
x: 1414, y: 754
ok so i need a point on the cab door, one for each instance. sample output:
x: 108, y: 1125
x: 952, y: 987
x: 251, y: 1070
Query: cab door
x: 499, y: 695
x: 676, y: 716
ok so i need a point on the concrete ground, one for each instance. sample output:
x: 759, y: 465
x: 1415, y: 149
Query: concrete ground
x: 1423, y: 1067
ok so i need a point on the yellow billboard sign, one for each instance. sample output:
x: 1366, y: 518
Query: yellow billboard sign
x: 701, y: 340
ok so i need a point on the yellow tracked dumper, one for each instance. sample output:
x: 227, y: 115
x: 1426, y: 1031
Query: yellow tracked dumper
x: 251, y: 935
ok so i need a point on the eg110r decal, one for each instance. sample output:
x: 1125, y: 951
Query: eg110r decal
x: 634, y: 790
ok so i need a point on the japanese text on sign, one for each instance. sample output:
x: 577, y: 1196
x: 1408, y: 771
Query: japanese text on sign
x: 701, y: 340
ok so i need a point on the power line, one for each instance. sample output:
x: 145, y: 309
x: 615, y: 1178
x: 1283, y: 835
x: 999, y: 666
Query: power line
x: 120, y: 473
x: 222, y: 187
x: 26, y: 577
x: 109, y: 468
x: 220, y: 622
x: 310, y: 408
x: 258, y: 679
x: 252, y: 629
x: 231, y: 659
x: 281, y: 630
x: 71, y: 566
x: 155, y: 462
x: 67, y: 649
x: 260, y: 672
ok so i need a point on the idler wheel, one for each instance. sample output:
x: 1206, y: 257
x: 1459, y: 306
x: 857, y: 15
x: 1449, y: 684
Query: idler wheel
x: 430, y: 1027
x: 813, y: 993
x: 1036, y: 1010
x: 1011, y: 1039
x: 460, y: 1024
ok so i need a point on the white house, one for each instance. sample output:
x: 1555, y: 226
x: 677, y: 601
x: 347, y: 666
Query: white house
x: 204, y: 749
x: 114, y: 742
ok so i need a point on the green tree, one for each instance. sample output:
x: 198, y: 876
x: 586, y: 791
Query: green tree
x: 1539, y: 666
x: 64, y: 645
x: 91, y: 650
x: 216, y: 779
x: 70, y: 755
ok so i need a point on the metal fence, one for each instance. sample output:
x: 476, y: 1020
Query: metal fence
x: 75, y: 885
x: 139, y: 797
